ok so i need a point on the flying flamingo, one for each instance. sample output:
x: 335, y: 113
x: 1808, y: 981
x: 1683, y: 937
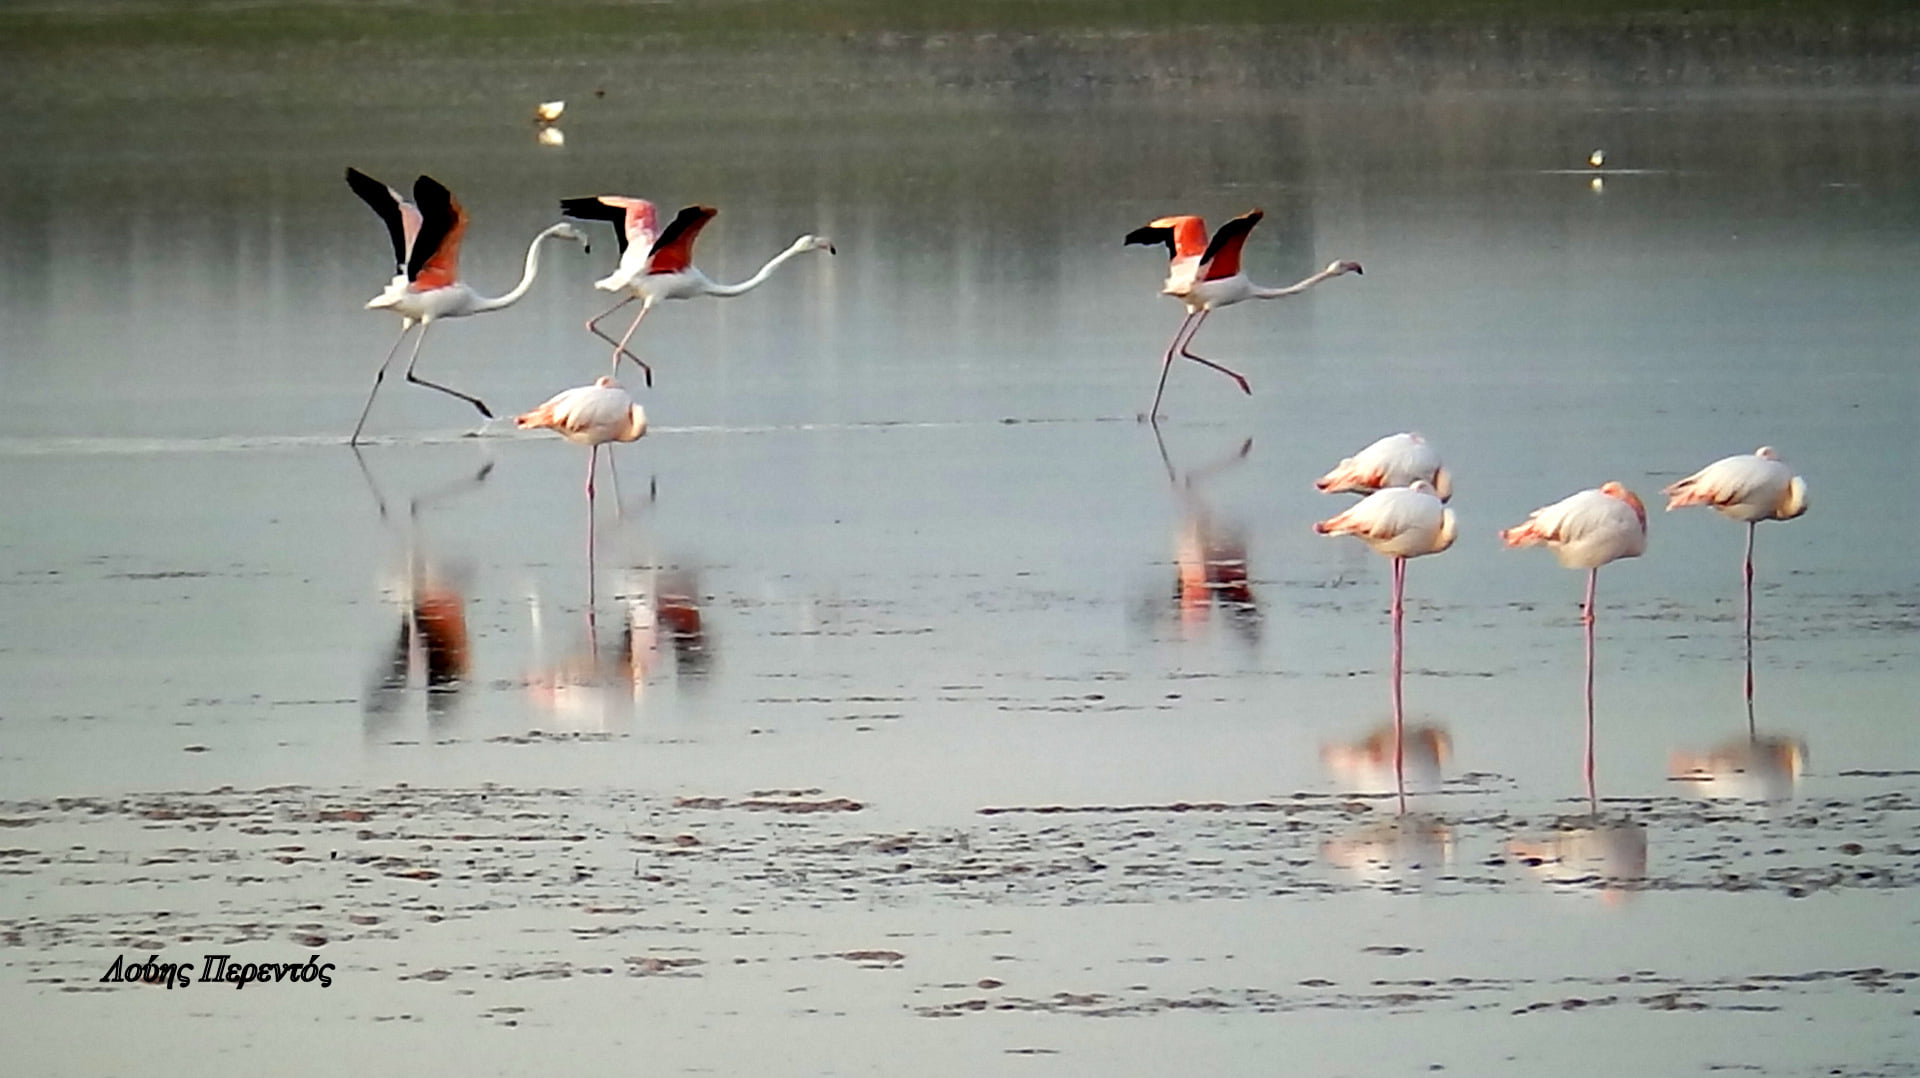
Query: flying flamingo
x: 426, y: 285
x: 1205, y: 274
x: 1393, y: 461
x: 1401, y: 523
x: 1749, y: 488
x: 655, y: 268
x: 1585, y: 531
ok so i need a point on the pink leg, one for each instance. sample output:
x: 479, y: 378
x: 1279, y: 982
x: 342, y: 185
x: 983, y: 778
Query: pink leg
x: 1235, y: 375
x: 378, y: 377
x: 1593, y: 576
x: 1749, y: 619
x: 593, y: 456
x: 619, y: 346
x: 1398, y: 614
x: 1153, y: 414
x: 416, y: 380
x: 620, y: 349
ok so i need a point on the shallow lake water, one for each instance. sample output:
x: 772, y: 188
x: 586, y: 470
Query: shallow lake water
x: 887, y: 729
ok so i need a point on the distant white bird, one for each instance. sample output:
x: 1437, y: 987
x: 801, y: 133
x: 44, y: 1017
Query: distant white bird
x: 1401, y: 523
x: 590, y: 416
x: 547, y: 112
x: 1394, y: 461
x: 1205, y: 274
x: 1596, y: 159
x: 652, y: 269
x: 426, y: 286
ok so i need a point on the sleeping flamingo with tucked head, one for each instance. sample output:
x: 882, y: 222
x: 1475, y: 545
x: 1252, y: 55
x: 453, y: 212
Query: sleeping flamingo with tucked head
x: 653, y: 268
x: 426, y: 286
x: 1749, y: 488
x: 1585, y: 531
x: 1205, y: 274
x: 1394, y: 461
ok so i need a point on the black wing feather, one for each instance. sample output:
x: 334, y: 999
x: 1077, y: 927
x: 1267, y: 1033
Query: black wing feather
x: 380, y: 197
x: 1150, y: 235
x: 1236, y: 228
x: 590, y: 208
x: 435, y: 203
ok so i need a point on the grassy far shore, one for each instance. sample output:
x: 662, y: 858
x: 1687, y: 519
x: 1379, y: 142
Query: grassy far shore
x: 122, y: 23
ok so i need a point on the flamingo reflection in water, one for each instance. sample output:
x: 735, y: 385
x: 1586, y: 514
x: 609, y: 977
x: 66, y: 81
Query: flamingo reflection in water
x: 1746, y: 769
x: 1411, y: 844
x: 1367, y: 765
x: 1210, y: 553
x: 596, y: 688
x: 431, y: 640
x: 1610, y: 854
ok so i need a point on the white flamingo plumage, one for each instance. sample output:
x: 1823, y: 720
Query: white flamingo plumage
x: 1585, y: 531
x: 426, y: 286
x: 591, y: 416
x: 1400, y: 523
x: 1394, y: 461
x: 1205, y: 275
x: 654, y: 268
x: 1750, y: 488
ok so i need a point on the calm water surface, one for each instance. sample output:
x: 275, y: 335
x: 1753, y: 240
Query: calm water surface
x: 897, y: 537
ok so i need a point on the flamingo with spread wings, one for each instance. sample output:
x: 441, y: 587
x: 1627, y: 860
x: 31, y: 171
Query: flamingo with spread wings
x: 426, y: 285
x: 1205, y: 274
x: 653, y: 268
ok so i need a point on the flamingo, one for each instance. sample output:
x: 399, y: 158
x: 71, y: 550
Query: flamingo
x: 653, y: 268
x: 1205, y: 274
x: 1401, y: 523
x: 1585, y: 531
x: 590, y: 416
x: 426, y: 286
x: 1749, y: 488
x: 1393, y: 461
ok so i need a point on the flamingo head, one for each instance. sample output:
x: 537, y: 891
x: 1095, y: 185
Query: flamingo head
x: 565, y: 231
x: 811, y: 242
x: 1336, y: 269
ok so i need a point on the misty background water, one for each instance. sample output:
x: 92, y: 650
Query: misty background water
x: 935, y: 555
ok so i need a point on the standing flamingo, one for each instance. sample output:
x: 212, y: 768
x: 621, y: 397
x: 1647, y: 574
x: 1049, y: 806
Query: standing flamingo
x: 1749, y: 488
x: 1401, y: 523
x: 1205, y: 274
x: 1393, y: 461
x: 653, y: 269
x: 590, y: 416
x: 426, y: 285
x: 1585, y: 531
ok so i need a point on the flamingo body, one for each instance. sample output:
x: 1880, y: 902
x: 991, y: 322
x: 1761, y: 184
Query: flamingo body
x: 590, y: 415
x: 1394, y: 461
x: 1399, y: 522
x: 1749, y: 488
x: 1588, y: 529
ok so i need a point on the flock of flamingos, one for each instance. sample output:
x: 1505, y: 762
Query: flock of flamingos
x: 1402, y: 515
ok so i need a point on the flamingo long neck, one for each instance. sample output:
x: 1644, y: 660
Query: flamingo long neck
x: 526, y: 277
x: 755, y: 281
x: 1294, y: 289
